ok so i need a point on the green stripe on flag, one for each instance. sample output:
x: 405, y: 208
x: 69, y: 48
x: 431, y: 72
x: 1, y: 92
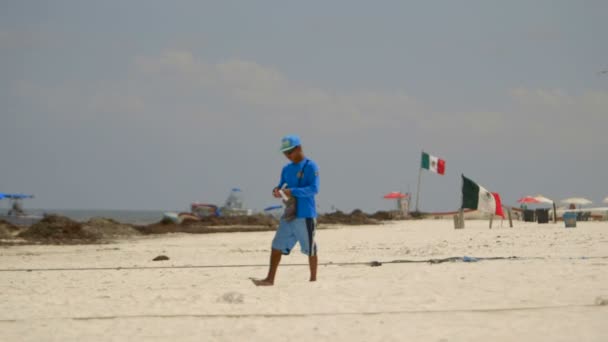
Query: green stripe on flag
x: 426, y: 162
x: 470, y: 194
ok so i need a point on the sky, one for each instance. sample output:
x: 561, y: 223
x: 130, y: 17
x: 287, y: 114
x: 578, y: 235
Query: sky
x: 156, y: 104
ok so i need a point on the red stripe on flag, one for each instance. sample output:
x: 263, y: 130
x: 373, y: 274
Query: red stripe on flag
x: 499, y: 211
x: 441, y: 167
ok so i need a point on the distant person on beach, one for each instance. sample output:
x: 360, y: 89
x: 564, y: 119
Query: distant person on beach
x: 298, y: 187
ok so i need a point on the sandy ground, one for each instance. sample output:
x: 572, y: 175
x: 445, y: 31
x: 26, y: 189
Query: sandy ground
x: 550, y: 295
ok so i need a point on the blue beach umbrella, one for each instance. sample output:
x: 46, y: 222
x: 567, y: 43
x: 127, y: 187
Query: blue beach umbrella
x: 274, y: 211
x: 273, y: 207
x: 17, y: 196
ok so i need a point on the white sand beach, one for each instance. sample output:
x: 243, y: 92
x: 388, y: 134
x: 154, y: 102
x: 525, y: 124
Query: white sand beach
x: 556, y: 292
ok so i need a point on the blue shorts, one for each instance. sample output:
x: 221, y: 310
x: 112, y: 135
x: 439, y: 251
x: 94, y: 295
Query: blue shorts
x: 300, y: 230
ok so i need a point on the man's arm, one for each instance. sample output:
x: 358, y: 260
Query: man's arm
x: 311, y: 190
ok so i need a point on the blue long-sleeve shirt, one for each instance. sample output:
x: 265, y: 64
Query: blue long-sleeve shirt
x: 304, y: 185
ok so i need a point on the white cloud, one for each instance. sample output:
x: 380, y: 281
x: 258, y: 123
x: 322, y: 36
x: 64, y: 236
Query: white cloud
x: 587, y: 107
x: 239, y: 74
x: 547, y: 98
x: 252, y: 84
x: 201, y: 120
x: 177, y: 86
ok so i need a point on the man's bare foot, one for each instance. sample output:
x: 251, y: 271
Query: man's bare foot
x: 262, y: 282
x: 313, y: 279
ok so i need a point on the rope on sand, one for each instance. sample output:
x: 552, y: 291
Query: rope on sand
x: 466, y: 259
x: 319, y: 314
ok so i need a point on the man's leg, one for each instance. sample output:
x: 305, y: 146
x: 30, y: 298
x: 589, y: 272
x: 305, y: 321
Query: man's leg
x: 312, y: 262
x: 306, y: 235
x: 283, y: 242
x: 275, y: 259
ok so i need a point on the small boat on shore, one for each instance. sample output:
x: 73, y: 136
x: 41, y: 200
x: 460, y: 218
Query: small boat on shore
x: 233, y: 207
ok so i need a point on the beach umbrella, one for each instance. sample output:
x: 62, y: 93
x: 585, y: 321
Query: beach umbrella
x: 273, y: 207
x: 528, y: 199
x: 576, y: 200
x: 398, y: 196
x: 395, y: 195
x: 17, y: 196
x: 543, y: 199
x: 275, y: 210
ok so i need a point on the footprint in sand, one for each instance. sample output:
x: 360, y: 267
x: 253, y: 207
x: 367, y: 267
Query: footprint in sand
x: 232, y: 298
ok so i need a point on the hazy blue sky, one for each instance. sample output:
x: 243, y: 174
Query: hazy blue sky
x: 155, y: 104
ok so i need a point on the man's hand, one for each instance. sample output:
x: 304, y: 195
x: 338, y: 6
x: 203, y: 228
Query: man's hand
x: 275, y: 193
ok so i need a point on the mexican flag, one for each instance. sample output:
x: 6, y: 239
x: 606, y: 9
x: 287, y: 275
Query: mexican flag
x: 432, y: 163
x: 476, y: 197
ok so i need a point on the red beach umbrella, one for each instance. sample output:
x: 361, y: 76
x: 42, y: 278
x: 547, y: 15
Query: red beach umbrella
x: 528, y: 199
x: 395, y: 195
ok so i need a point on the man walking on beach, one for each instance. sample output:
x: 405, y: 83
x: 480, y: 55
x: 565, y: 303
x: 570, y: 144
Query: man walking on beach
x: 299, y: 184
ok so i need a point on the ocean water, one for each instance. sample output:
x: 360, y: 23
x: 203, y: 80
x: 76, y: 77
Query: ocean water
x: 124, y: 216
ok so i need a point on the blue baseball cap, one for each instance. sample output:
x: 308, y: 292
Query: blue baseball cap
x: 289, y: 142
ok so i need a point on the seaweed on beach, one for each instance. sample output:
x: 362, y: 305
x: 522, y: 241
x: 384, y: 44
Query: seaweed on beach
x: 56, y: 229
x: 214, y: 221
x: 197, y: 228
x: 254, y: 223
x: 357, y: 217
x: 8, y: 226
x: 213, y: 224
x: 383, y: 216
x: 417, y: 215
x: 108, y: 228
x: 4, y: 232
x: 247, y: 220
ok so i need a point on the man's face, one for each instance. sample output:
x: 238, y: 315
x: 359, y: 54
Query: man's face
x: 293, y: 154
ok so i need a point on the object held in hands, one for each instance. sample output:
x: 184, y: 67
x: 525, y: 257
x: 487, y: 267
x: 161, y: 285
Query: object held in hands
x: 291, y: 204
x: 289, y: 213
x: 282, y: 193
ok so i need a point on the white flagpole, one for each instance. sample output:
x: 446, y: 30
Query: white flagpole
x: 419, y: 177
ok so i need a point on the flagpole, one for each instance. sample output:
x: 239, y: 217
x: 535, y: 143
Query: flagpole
x: 418, y: 187
x: 409, y: 200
